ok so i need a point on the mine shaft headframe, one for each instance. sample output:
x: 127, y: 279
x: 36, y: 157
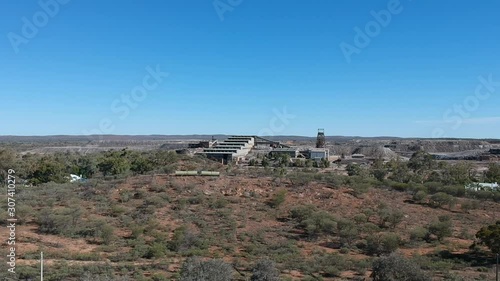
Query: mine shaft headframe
x: 320, y: 140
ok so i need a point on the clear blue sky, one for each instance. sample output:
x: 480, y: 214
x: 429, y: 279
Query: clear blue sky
x: 230, y: 71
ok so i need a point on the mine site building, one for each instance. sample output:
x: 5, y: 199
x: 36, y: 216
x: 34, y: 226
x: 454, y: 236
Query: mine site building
x: 483, y: 186
x: 318, y: 154
x: 235, y: 148
x: 292, y: 152
x: 203, y: 144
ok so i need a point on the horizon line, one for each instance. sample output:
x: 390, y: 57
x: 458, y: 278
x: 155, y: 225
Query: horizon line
x: 267, y: 136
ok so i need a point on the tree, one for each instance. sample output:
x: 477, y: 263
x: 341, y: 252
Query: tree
x: 7, y: 158
x: 114, y: 163
x: 460, y: 173
x: 48, y: 169
x: 490, y: 236
x: 352, y: 169
x: 194, y: 269
x: 265, y: 270
x: 379, y: 174
x: 141, y: 165
x: 85, y: 166
x: 396, y: 268
x: 399, y: 171
x: 493, y: 173
x: 421, y: 161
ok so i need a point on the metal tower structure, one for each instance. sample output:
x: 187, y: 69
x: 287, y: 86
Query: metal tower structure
x: 320, y: 140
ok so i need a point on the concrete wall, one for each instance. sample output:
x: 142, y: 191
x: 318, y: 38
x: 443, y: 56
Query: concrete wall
x: 318, y: 154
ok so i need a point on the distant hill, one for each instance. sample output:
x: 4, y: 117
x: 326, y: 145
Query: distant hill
x: 156, y: 138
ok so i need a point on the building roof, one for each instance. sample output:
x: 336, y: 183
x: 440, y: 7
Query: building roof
x: 483, y: 185
x: 486, y: 184
x: 318, y: 150
x: 285, y: 150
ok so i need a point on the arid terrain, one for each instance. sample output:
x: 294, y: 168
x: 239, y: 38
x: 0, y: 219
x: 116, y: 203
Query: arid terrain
x: 327, y: 223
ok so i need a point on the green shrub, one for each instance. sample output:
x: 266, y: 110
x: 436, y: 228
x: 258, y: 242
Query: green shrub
x: 382, y: 243
x: 302, y: 212
x: 347, y: 231
x: 194, y: 269
x: 420, y: 196
x: 184, y: 239
x: 440, y: 228
x: 418, y: 234
x: 218, y: 203
x: 389, y: 216
x: 396, y: 268
x: 156, y: 250
x: 440, y: 199
x: 265, y: 270
x: 490, y: 236
x: 468, y: 205
x: 319, y: 223
x: 154, y: 200
x: 278, y: 199
x: 198, y: 199
x: 125, y: 196
x: 360, y: 218
x: 117, y: 210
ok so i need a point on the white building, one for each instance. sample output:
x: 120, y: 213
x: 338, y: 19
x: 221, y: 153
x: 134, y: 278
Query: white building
x: 477, y: 186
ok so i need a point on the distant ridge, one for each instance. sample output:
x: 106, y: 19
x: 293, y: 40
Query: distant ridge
x: 156, y: 137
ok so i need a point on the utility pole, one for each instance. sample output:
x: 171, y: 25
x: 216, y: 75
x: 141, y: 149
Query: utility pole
x: 41, y: 266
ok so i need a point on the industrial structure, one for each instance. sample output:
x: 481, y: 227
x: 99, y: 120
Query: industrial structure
x: 235, y: 148
x: 203, y: 144
x: 292, y: 152
x: 318, y: 153
x: 320, y: 139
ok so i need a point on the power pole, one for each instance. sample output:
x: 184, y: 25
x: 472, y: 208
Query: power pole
x: 41, y: 266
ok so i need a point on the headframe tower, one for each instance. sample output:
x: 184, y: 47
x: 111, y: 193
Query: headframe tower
x: 320, y: 139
